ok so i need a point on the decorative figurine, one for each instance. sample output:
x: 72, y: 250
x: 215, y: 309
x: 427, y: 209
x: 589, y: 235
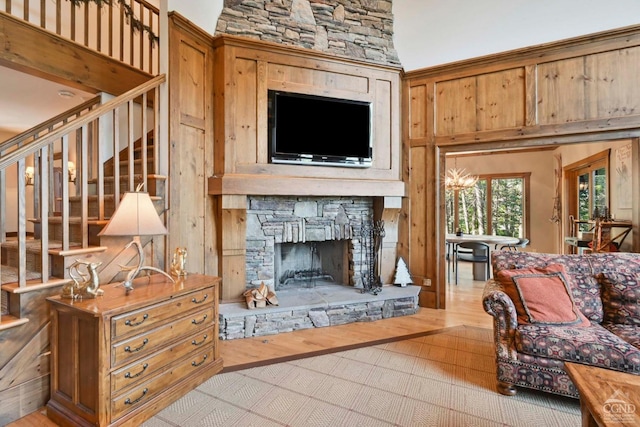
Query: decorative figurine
x: 85, y: 284
x: 179, y: 263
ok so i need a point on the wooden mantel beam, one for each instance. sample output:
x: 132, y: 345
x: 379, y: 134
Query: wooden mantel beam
x: 274, y: 185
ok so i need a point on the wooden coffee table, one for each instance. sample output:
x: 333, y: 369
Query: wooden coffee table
x: 607, y: 398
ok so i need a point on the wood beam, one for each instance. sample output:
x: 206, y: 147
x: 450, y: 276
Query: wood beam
x: 38, y: 52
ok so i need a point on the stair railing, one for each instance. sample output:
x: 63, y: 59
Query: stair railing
x: 105, y: 29
x: 91, y: 136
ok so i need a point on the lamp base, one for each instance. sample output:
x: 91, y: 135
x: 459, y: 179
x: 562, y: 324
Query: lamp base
x: 135, y: 270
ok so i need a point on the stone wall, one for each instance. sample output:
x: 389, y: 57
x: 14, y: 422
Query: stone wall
x: 281, y: 219
x: 357, y: 29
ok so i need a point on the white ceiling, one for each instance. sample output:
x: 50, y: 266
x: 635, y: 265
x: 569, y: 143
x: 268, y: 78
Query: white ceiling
x: 26, y: 101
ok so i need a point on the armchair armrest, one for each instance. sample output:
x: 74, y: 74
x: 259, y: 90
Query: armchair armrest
x: 498, y: 304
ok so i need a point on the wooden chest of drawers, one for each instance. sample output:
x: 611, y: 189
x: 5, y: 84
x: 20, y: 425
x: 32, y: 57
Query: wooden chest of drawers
x: 119, y: 359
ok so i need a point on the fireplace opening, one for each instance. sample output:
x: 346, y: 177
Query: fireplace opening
x: 306, y: 265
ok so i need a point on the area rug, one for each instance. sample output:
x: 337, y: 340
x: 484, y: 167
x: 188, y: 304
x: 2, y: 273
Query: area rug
x: 441, y: 379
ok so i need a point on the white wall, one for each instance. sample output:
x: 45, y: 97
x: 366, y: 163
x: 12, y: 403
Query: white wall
x: 203, y: 13
x: 432, y: 32
x: 572, y: 154
x: 542, y: 188
x: 544, y: 233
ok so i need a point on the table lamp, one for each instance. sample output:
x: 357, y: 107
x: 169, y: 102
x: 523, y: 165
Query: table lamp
x: 135, y: 216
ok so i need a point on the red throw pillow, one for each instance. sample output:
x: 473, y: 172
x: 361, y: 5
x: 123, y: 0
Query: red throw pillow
x: 542, y: 295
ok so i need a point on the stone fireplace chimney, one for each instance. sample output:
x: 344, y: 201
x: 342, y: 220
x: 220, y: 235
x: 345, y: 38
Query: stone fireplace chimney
x: 358, y: 29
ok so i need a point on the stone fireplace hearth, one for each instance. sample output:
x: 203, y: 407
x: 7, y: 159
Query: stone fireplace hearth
x: 286, y: 234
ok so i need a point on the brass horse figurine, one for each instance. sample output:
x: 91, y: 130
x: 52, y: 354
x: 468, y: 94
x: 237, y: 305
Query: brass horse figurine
x: 85, y: 283
x: 179, y: 263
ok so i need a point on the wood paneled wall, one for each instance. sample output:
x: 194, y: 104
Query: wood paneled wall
x: 191, y: 210
x: 577, y: 90
x: 245, y: 70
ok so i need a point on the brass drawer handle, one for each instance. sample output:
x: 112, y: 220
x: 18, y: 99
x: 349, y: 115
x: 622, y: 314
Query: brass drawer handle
x: 195, y: 301
x: 130, y: 323
x: 128, y: 349
x: 133, y: 402
x: 195, y: 322
x: 194, y: 364
x: 196, y: 343
x: 144, y: 368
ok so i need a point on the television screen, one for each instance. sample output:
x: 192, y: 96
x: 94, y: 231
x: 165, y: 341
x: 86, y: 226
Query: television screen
x: 319, y: 130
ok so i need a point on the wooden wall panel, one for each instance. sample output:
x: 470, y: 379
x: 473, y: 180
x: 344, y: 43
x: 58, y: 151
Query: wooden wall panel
x: 383, y: 148
x: 575, y: 90
x: 456, y: 101
x: 501, y: 100
x: 251, y: 68
x: 192, y: 64
x: 192, y: 221
x: 561, y: 91
x: 245, y: 137
x: 418, y: 209
x: 417, y: 111
x: 188, y: 203
x: 280, y: 74
x: 613, y: 89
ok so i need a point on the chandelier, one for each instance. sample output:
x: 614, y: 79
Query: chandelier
x: 458, y: 179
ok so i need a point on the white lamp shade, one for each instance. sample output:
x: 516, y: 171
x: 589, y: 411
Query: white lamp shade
x: 135, y: 216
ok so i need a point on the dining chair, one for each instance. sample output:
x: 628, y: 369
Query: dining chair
x: 514, y: 246
x: 476, y: 252
x: 451, y: 251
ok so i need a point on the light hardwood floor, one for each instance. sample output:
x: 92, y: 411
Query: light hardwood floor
x: 464, y: 302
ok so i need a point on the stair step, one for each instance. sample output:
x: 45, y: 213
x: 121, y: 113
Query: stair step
x: 125, y: 177
x: 72, y: 220
x: 78, y: 251
x: 34, y: 286
x: 8, y: 321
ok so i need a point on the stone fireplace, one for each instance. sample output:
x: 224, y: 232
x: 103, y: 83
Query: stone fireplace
x: 300, y: 240
x: 310, y: 250
x: 297, y: 228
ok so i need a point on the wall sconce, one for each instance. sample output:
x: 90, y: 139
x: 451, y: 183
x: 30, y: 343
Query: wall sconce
x: 28, y: 175
x: 72, y: 171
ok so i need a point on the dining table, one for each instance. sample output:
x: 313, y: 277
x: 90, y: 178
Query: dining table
x: 480, y: 270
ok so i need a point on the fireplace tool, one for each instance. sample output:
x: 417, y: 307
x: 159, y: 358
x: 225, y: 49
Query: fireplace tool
x: 372, y: 233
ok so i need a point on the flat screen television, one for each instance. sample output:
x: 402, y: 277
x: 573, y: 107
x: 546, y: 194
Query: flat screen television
x: 318, y: 130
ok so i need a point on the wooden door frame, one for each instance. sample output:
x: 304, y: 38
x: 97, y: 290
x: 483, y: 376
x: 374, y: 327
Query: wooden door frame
x: 440, y: 157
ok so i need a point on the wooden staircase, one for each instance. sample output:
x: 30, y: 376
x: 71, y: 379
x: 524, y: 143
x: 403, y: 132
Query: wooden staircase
x: 39, y: 254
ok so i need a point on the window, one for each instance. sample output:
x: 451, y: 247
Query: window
x: 497, y: 204
x: 588, y: 188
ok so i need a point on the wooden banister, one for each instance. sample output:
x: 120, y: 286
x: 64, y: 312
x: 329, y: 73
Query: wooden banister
x: 77, y: 131
x: 94, y: 114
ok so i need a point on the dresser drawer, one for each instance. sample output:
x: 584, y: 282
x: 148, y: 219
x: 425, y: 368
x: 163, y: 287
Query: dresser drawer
x: 142, y: 369
x: 139, y: 320
x: 147, y: 342
x: 146, y: 391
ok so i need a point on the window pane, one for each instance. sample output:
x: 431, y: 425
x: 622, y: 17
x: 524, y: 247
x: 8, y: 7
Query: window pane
x: 584, y: 208
x: 472, y: 208
x: 507, y: 204
x: 600, y: 190
x: 449, y: 210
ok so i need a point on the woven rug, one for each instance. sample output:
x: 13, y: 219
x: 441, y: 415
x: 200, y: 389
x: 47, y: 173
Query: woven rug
x: 440, y: 379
